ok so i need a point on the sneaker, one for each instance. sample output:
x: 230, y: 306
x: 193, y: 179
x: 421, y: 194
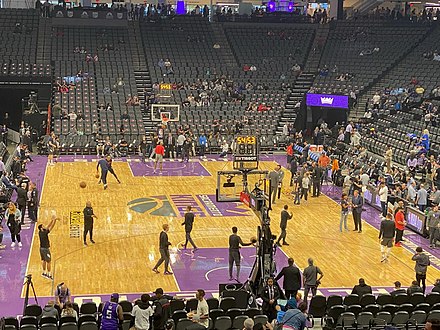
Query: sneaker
x: 195, y: 249
x: 13, y: 244
x: 168, y: 273
x: 20, y: 244
x: 2, y: 246
x: 155, y: 270
x: 383, y: 259
x: 49, y: 277
x: 85, y: 243
x: 286, y: 244
x: 231, y: 279
x: 398, y: 244
x: 105, y: 187
x: 92, y: 241
x: 44, y: 275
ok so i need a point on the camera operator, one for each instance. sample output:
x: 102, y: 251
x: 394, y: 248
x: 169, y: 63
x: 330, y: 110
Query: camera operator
x: 62, y: 295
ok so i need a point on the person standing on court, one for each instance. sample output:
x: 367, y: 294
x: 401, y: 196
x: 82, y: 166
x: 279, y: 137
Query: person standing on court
x: 21, y: 200
x: 383, y: 196
x: 344, y: 212
x: 433, y: 225
x: 386, y: 236
x: 159, y: 152
x: 188, y: 223
x: 164, y: 245
x: 112, y: 313
x: 13, y: 221
x: 316, y: 178
x: 276, y: 178
x: 102, y: 163
x: 234, y: 253
x: 399, y: 220
x: 32, y: 201
x: 421, y: 267
x: 357, y: 204
x: 46, y: 257
x: 311, y: 281
x: 291, y: 279
x: 89, y: 216
x: 285, y: 216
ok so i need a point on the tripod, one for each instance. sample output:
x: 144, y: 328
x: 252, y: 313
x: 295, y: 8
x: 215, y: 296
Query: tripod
x: 28, y: 282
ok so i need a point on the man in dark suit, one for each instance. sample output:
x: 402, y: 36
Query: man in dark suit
x: 21, y: 200
x: 170, y: 146
x: 164, y: 250
x: 316, y: 178
x: 188, y: 223
x: 270, y: 294
x: 292, y: 279
x: 357, y: 203
x: 285, y: 216
x: 361, y: 288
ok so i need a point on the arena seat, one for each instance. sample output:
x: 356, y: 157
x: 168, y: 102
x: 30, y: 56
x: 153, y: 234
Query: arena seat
x: 367, y: 299
x: 400, y: 318
x: 177, y: 305
x: 262, y: 319
x: 177, y: 315
x: 318, y: 306
x: 214, y: 313
x: 384, y: 315
x: 227, y: 303
x: 419, y: 316
x: 363, y: 319
x: 222, y: 323
x: 183, y: 323
x: 69, y: 326
x: 213, y: 303
x: 191, y: 305
x: 252, y: 312
x: 49, y: 326
x: 87, y: 325
x: 351, y: 299
x: 238, y: 321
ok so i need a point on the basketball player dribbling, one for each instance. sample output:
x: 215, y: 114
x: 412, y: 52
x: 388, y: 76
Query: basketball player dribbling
x: 110, y: 168
x: 102, y: 163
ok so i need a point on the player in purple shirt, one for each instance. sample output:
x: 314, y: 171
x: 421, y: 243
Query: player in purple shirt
x: 112, y: 314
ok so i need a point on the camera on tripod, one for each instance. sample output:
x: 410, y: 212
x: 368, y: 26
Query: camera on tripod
x: 33, y: 102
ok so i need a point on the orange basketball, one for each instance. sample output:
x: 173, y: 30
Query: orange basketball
x: 82, y: 184
x: 97, y: 175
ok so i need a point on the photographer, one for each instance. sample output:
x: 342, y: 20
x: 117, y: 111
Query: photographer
x: 62, y: 295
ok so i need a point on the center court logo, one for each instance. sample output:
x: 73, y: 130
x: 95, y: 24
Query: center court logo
x: 175, y: 205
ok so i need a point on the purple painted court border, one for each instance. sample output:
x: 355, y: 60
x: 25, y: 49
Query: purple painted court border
x: 14, y: 261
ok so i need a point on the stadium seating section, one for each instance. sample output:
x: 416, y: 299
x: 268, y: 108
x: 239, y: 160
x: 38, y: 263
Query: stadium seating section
x: 376, y: 54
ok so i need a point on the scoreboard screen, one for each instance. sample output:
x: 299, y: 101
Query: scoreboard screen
x: 246, y: 152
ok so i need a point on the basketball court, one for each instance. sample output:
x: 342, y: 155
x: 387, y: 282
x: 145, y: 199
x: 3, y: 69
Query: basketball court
x: 131, y: 214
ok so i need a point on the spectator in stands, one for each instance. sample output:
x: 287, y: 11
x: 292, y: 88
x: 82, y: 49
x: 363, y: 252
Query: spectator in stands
x: 224, y: 149
x: 388, y: 157
x: 68, y: 310
x: 361, y: 288
x: 376, y: 100
x: 200, y: 317
x: 432, y: 324
x: 203, y: 143
x: 50, y: 311
x: 414, y: 288
x: 436, y: 287
x: 5, y: 180
x: 355, y: 138
x: 421, y: 266
x: 398, y: 289
x: 296, y: 318
x: 248, y: 324
x: 142, y: 312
